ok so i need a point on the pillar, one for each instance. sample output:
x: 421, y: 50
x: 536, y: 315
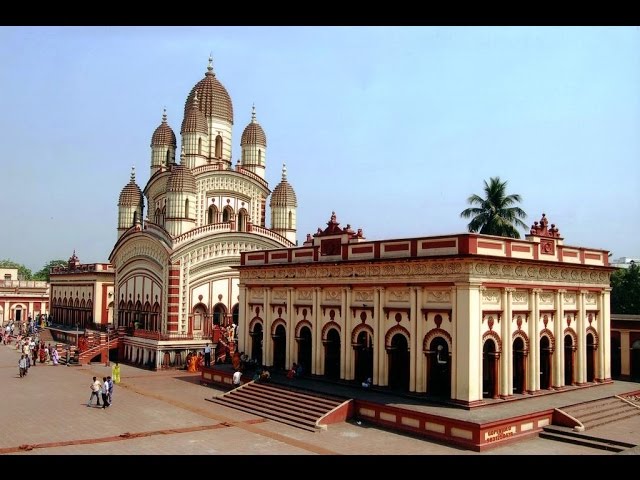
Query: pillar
x: 348, y: 328
x: 606, y: 332
x: 533, y: 380
x: 316, y: 367
x: 506, y: 363
x: 468, y: 343
x: 381, y: 360
x: 600, y: 375
x: 414, y: 351
x: 244, y: 317
x: 625, y: 353
x: 267, y: 358
x: 558, y: 354
x: 420, y: 358
x: 291, y: 328
x: 581, y: 332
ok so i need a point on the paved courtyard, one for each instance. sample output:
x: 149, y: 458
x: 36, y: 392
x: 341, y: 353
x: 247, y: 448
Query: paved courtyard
x: 165, y: 413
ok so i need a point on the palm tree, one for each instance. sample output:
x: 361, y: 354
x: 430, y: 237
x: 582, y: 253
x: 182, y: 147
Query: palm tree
x: 495, y: 214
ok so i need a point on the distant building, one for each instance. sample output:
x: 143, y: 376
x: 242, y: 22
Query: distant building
x: 174, y: 280
x: 21, y: 299
x: 464, y: 316
x: 625, y: 262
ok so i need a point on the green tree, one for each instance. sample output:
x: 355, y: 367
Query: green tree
x: 23, y: 272
x: 496, y: 213
x: 625, y: 290
x: 44, y: 273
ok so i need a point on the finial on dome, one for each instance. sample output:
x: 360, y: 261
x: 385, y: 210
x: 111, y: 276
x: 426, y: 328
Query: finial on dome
x: 164, y: 115
x: 284, y: 172
x: 253, y: 113
x: 133, y: 174
x: 210, y: 66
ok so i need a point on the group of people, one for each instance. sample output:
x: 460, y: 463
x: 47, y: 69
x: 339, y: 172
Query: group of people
x: 296, y: 370
x: 105, y: 389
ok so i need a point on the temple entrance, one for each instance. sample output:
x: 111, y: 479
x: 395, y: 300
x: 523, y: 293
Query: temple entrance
x: 332, y: 354
x: 545, y: 363
x: 591, y: 358
x: 568, y: 360
x: 635, y: 361
x: 519, y: 366
x: 398, y: 363
x: 439, y: 368
x: 363, y: 357
x: 18, y: 315
x: 279, y: 347
x: 490, y: 361
x: 616, y: 357
x: 256, y: 343
x: 304, y: 349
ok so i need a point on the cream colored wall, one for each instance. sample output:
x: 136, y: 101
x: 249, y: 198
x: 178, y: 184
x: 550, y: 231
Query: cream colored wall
x: 13, y: 272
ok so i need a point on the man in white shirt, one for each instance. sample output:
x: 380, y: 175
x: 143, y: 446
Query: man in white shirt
x: 207, y: 356
x: 237, y: 377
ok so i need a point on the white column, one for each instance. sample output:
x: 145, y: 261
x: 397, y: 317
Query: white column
x: 267, y: 358
x: 414, y: 352
x: 558, y: 354
x: 316, y: 367
x: 581, y: 352
x: 343, y: 334
x: 454, y: 344
x: 533, y: 382
x: 420, y: 360
x: 505, y: 359
x: 606, y: 332
x: 600, y: 371
x: 244, y: 317
x: 291, y: 327
x: 380, y: 334
x: 348, y: 322
x: 468, y: 348
x: 30, y: 312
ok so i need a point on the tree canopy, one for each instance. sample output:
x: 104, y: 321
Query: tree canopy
x: 43, y: 274
x: 496, y: 213
x: 625, y: 290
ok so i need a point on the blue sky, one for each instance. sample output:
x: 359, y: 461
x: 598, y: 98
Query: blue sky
x: 391, y: 127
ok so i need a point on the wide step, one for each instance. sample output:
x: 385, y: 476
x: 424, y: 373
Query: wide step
x: 283, y: 405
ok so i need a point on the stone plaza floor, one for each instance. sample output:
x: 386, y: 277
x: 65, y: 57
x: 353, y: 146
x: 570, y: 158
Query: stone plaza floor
x: 165, y: 413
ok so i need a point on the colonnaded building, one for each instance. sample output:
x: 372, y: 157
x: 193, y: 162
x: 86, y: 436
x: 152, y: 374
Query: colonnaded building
x: 173, y: 278
x: 464, y: 317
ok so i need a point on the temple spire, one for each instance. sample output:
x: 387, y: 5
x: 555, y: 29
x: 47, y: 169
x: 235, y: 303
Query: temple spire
x: 133, y: 174
x: 210, y: 66
x: 164, y: 115
x: 253, y: 113
x: 284, y: 172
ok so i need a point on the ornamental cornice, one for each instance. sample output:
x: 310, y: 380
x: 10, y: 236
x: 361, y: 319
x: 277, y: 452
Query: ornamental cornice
x: 540, y: 273
x: 141, y: 247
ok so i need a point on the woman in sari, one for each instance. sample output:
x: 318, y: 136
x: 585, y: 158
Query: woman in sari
x: 115, y: 373
x: 191, y: 363
x: 41, y: 354
x: 55, y: 357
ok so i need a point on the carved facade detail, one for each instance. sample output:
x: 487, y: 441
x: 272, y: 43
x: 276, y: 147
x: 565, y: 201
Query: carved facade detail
x: 438, y: 296
x: 279, y: 294
x: 332, y: 294
x: 519, y: 297
x: 396, y: 295
x: 491, y: 296
x: 363, y: 295
x: 305, y: 294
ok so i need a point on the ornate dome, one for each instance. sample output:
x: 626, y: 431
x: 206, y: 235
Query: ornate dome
x: 163, y: 135
x: 283, y: 195
x: 181, y: 179
x: 194, y: 121
x: 253, y: 133
x: 131, y: 195
x: 214, y: 98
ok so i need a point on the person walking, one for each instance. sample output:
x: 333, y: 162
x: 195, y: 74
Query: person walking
x: 237, y: 378
x: 22, y: 366
x: 105, y: 393
x: 115, y: 373
x: 95, y: 391
x: 207, y: 356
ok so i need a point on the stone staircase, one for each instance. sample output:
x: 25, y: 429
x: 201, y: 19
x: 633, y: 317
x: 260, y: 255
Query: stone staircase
x: 283, y: 405
x: 602, y: 411
x: 568, y: 435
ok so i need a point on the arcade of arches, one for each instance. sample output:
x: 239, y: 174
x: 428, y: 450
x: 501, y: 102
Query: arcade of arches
x: 460, y: 328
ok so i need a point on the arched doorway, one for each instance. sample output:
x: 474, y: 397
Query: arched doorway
x: 219, y: 312
x: 332, y: 354
x: 304, y: 349
x: 235, y: 311
x: 635, y: 361
x: 439, y: 368
x: 398, y: 363
x: 363, y: 357
x: 545, y: 363
x: 256, y: 343
x: 568, y: 360
x: 591, y: 358
x: 279, y: 347
x: 519, y: 366
x: 490, y: 358
x: 616, y: 357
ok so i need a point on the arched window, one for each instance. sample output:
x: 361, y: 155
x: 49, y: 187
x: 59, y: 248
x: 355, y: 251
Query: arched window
x: 259, y: 157
x: 227, y: 214
x: 244, y: 156
x: 212, y: 214
x: 290, y: 222
x: 219, y: 312
x: 200, y: 146
x: 186, y: 208
x: 168, y: 157
x: 218, y: 146
x: 242, y: 220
